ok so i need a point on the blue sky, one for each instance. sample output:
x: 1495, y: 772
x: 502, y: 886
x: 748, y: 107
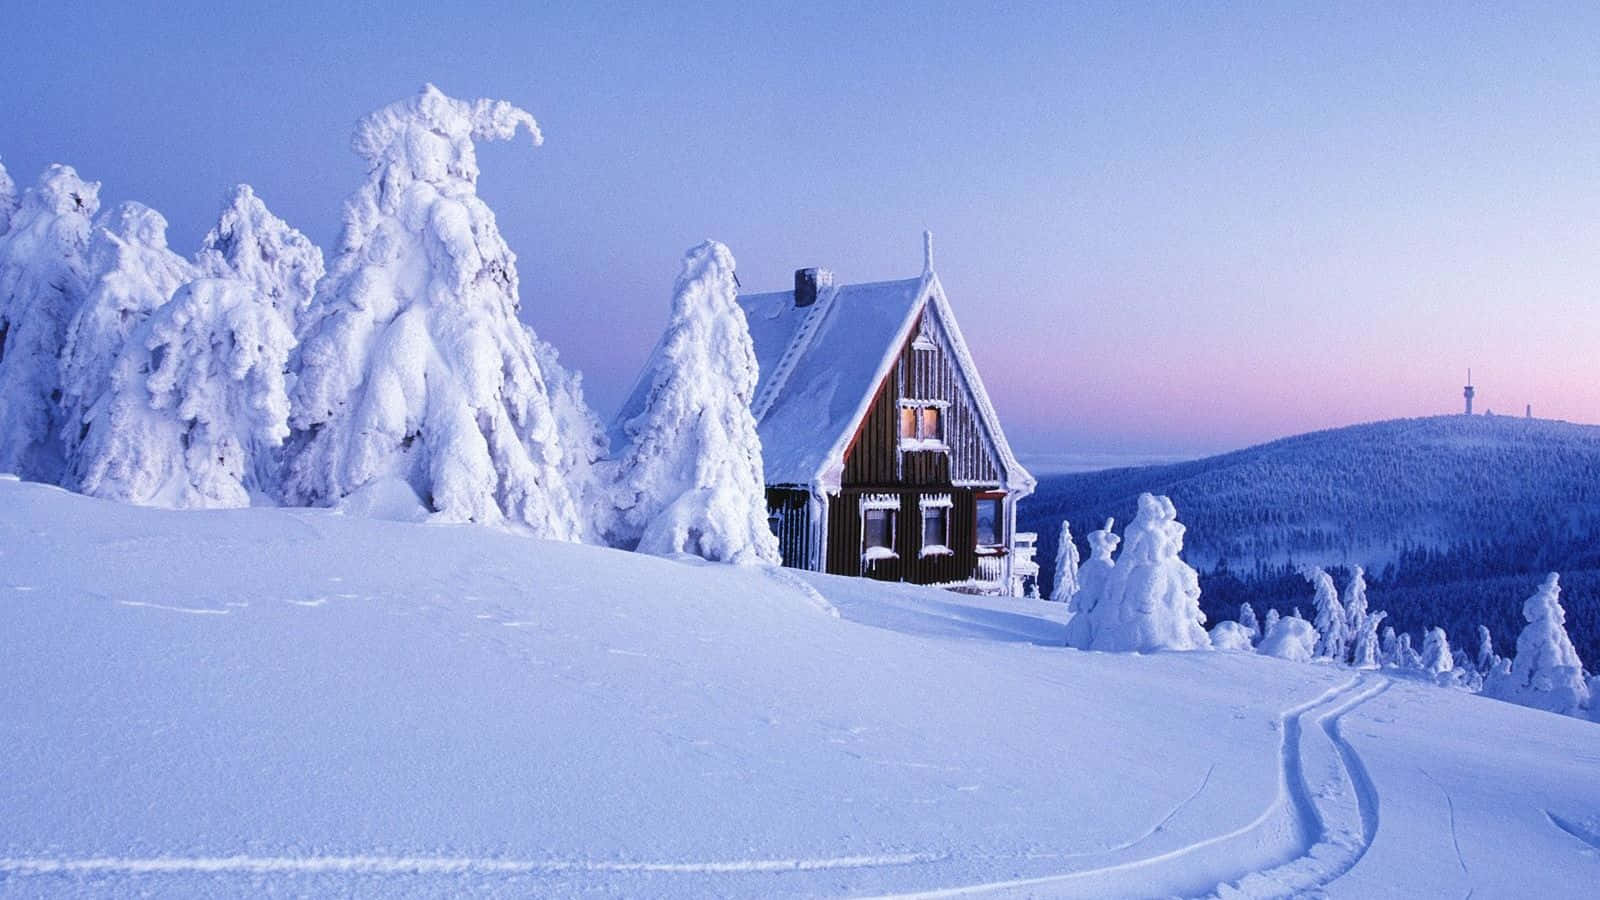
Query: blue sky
x: 1168, y: 228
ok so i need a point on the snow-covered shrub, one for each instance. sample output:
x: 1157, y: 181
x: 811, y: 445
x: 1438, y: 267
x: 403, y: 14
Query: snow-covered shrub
x: 1227, y: 635
x: 1546, y: 673
x: 690, y: 479
x: 1365, y: 653
x: 1331, y: 623
x: 1066, y: 583
x: 1152, y: 598
x: 1487, y: 658
x: 1388, y: 646
x: 1292, y: 638
x: 1269, y: 620
x: 1247, y: 619
x: 252, y: 245
x: 1436, y: 657
x: 8, y: 199
x: 1093, y: 577
x: 197, y: 396
x: 414, y: 364
x: 131, y: 274
x: 1405, y: 656
x: 43, y: 280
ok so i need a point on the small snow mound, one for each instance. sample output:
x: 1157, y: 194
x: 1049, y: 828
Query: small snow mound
x: 389, y: 499
x: 1290, y: 638
x: 1230, y: 636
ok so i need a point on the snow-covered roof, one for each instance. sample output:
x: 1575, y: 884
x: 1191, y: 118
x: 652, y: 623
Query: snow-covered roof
x: 822, y: 365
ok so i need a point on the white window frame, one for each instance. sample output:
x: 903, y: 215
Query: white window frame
x: 941, y: 502
x: 923, y: 441
x: 889, y: 503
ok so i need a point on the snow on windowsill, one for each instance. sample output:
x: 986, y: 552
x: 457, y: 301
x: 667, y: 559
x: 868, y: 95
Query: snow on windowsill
x: 936, y: 550
x: 876, y: 553
x: 911, y: 444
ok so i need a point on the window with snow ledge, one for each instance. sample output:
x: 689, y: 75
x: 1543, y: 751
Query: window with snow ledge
x: 878, y: 515
x: 935, y: 525
x: 922, y: 425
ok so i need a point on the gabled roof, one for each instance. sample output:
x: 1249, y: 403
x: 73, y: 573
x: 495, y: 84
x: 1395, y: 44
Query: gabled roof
x: 821, y: 367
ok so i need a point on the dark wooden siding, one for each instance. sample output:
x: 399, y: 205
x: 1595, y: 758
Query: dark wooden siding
x: 844, y: 539
x: 789, y: 514
x: 874, y: 458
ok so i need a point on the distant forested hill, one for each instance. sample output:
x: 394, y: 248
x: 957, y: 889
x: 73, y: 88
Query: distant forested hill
x: 1454, y: 518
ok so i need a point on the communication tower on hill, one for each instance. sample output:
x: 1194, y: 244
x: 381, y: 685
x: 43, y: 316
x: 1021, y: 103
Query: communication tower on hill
x: 1467, y: 392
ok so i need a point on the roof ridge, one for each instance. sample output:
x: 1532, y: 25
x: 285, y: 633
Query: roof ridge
x: 768, y: 393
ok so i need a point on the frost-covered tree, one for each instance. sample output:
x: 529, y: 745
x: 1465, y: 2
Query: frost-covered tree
x: 43, y: 280
x: 690, y: 479
x: 1269, y: 620
x: 583, y: 442
x: 252, y: 245
x: 1365, y: 653
x: 197, y: 396
x: 1406, y: 656
x: 1227, y: 635
x: 8, y: 199
x: 1152, y: 598
x: 413, y: 364
x: 1355, y: 603
x: 1487, y: 658
x: 1093, y: 577
x: 1331, y: 624
x: 131, y: 274
x: 1546, y: 673
x: 1067, y: 560
x: 1436, y: 656
x: 1247, y: 619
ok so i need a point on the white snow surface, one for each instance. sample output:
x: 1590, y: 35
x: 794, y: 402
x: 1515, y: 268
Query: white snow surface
x: 43, y: 281
x: 413, y: 362
x: 294, y: 701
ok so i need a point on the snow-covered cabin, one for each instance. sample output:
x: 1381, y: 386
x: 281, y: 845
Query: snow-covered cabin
x: 883, y: 454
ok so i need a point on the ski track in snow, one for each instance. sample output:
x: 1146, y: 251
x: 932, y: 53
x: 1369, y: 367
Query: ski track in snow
x: 1583, y: 834
x: 1450, y: 804
x: 1309, y: 862
x: 191, y: 610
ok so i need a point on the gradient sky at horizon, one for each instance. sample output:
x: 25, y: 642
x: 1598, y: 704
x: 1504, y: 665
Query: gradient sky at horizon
x: 1166, y: 229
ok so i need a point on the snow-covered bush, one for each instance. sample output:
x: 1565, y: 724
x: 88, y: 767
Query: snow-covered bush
x: 252, y: 245
x: 1436, y: 657
x: 414, y: 364
x: 1487, y: 658
x: 131, y: 274
x: 1290, y: 637
x: 1546, y: 673
x: 1152, y: 599
x: 8, y: 199
x: 1269, y: 620
x: 690, y: 479
x: 1405, y: 656
x: 1227, y: 635
x: 1093, y: 577
x: 1067, y: 560
x: 197, y: 397
x: 1247, y: 619
x: 1331, y: 623
x: 43, y: 280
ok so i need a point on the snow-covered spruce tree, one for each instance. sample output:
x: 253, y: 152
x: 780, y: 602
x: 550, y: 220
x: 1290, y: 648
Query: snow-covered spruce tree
x: 1436, y: 657
x: 1546, y: 672
x: 1487, y: 658
x: 583, y: 442
x: 1093, y: 577
x: 252, y: 245
x: 1355, y: 603
x: 196, y: 397
x: 1152, y: 599
x: 1248, y: 620
x: 1066, y: 583
x: 8, y: 199
x: 1365, y: 653
x: 131, y: 274
x: 1269, y: 620
x: 1405, y: 656
x: 1331, y: 624
x: 690, y: 478
x: 413, y: 365
x: 43, y: 280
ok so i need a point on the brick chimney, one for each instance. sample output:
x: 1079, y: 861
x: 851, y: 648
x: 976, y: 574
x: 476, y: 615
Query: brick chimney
x: 807, y: 284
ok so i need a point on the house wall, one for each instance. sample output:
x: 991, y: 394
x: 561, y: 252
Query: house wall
x: 789, y: 514
x: 844, y: 539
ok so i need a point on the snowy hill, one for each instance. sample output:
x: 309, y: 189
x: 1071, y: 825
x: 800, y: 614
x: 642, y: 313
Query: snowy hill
x: 297, y: 701
x: 1455, y: 518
